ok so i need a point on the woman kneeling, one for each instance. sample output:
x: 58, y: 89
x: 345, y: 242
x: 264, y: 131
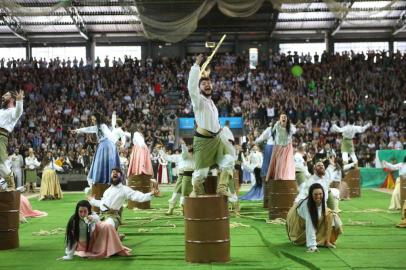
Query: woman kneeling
x: 310, y: 222
x: 87, y: 236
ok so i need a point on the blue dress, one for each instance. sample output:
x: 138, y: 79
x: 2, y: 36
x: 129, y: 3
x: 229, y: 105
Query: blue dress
x: 106, y: 157
x: 256, y: 193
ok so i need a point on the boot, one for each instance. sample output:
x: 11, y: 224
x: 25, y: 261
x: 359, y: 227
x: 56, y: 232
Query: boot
x: 10, y: 181
x: 198, y: 189
x: 170, y: 210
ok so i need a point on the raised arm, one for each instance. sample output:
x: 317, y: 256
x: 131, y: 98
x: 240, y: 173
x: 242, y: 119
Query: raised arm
x: 135, y: 195
x: 193, y: 82
x: 264, y: 135
x: 91, y: 129
x: 361, y: 129
x: 336, y: 128
x: 19, y: 106
x: 113, y: 120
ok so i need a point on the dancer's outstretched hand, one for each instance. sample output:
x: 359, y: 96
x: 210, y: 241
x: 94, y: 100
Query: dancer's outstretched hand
x: 20, y: 95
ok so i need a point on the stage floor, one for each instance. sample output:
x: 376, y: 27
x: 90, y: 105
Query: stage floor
x: 370, y: 240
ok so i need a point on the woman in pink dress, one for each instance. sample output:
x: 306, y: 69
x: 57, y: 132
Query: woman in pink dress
x: 26, y: 210
x: 87, y: 236
x: 282, y: 165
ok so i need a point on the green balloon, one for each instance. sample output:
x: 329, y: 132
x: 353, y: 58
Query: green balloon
x: 297, y: 70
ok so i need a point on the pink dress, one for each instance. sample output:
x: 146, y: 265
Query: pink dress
x: 104, y: 243
x: 26, y: 209
x: 140, y: 161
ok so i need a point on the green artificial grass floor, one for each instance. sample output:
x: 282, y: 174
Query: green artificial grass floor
x: 370, y: 240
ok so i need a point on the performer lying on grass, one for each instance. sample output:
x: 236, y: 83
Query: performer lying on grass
x: 87, y: 236
x: 310, y: 222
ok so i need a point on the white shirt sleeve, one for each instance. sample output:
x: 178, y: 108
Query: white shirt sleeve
x: 91, y: 129
x: 264, y: 136
x: 336, y: 128
x: 18, y: 111
x: 95, y: 202
x: 193, y: 85
x: 359, y: 129
x: 137, y: 196
x: 303, y: 211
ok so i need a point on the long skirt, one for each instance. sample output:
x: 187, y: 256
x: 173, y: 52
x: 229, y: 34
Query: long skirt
x: 282, y: 165
x: 267, y: 159
x: 26, y: 209
x: 163, y: 174
x: 105, y: 159
x: 104, y: 243
x: 50, y: 186
x: 296, y: 229
x: 140, y: 161
x: 256, y: 193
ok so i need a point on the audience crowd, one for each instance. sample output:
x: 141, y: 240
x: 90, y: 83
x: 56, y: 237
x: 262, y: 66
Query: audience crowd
x: 61, y: 95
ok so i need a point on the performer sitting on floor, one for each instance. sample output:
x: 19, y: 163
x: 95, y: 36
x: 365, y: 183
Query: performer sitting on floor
x: 114, y: 197
x: 86, y: 236
x: 395, y: 202
x: 9, y: 115
x: 347, y: 145
x: 324, y: 177
x: 210, y: 145
x: 310, y: 222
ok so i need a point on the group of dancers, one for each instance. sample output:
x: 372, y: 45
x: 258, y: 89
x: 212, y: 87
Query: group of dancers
x: 313, y: 219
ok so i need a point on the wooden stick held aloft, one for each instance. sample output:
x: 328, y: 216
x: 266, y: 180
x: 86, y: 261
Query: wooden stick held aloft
x: 208, y: 60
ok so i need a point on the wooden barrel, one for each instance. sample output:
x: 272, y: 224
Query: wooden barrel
x: 97, y: 192
x: 282, y: 196
x: 352, y: 178
x: 402, y: 190
x: 9, y: 219
x: 267, y: 193
x: 207, y: 229
x: 210, y: 185
x: 141, y: 182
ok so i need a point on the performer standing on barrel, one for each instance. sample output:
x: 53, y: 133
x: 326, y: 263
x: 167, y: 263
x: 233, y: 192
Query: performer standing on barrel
x: 9, y: 115
x: 210, y: 146
x: 106, y: 157
x: 347, y: 145
x: 282, y: 165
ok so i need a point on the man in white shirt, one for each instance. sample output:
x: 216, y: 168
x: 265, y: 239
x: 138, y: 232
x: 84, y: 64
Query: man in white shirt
x: 349, y: 131
x: 114, y: 197
x: 186, y: 165
x: 17, y: 163
x: 302, y: 173
x: 210, y: 145
x: 9, y: 115
x: 324, y: 177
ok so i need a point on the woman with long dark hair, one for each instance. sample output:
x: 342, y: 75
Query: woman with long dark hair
x: 86, y: 236
x: 310, y: 222
x: 282, y: 165
x: 106, y: 157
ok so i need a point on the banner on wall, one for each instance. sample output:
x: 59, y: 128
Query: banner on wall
x: 189, y: 122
